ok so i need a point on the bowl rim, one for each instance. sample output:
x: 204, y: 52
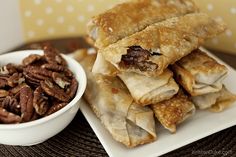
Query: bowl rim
x: 80, y: 91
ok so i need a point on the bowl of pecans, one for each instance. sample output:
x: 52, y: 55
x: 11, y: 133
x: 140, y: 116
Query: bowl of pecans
x: 39, y: 94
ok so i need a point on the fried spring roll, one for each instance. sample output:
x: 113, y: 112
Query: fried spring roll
x: 174, y: 111
x: 150, y: 51
x: 150, y: 90
x: 215, y: 102
x: 127, y: 122
x: 199, y: 74
x: 130, y: 17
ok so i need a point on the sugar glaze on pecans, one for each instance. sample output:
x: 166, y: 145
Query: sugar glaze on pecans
x: 38, y: 87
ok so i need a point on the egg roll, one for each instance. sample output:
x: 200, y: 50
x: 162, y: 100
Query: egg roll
x: 102, y: 66
x: 216, y: 101
x: 130, y: 17
x: 150, y: 90
x: 127, y: 122
x: 172, y: 112
x: 151, y: 50
x: 199, y: 73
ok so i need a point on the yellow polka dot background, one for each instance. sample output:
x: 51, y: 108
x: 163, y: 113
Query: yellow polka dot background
x: 50, y: 19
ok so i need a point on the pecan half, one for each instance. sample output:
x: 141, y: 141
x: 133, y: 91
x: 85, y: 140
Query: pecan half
x: 72, y: 88
x: 37, y: 70
x: 53, y: 56
x: 15, y: 79
x: 34, y: 116
x: 53, y: 90
x: 18, y: 88
x: 40, y: 101
x: 3, y: 81
x: 55, y: 108
x: 8, y: 117
x: 11, y: 104
x: 60, y: 80
x: 58, y: 68
x: 3, y: 93
x: 26, y: 103
x: 31, y: 59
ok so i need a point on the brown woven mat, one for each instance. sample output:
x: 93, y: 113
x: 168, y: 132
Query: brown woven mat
x: 78, y: 139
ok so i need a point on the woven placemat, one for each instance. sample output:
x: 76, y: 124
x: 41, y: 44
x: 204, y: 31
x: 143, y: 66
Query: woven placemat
x: 78, y: 139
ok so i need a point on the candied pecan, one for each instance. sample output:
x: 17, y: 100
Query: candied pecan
x: 53, y: 90
x: 31, y: 59
x: 8, y: 117
x: 3, y: 93
x: 17, y: 88
x: 26, y: 103
x: 3, y: 81
x: 53, y: 56
x: 4, y: 70
x: 37, y: 70
x: 15, y: 79
x: 11, y: 104
x: 60, y: 80
x: 55, y: 107
x: 40, y: 101
x: 34, y: 116
x: 31, y: 80
x: 58, y: 68
x: 72, y: 88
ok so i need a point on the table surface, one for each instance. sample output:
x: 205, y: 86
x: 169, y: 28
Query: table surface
x: 78, y: 139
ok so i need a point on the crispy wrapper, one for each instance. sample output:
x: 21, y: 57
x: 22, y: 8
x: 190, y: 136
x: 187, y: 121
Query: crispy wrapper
x: 216, y: 101
x: 127, y: 122
x: 150, y: 90
x: 199, y: 74
x: 130, y: 17
x: 151, y: 50
x: 174, y: 111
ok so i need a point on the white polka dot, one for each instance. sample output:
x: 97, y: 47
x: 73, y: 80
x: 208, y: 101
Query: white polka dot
x: 219, y: 19
x: 71, y: 29
x: 48, y: 10
x: 81, y: 18
x: 90, y: 8
x: 70, y: 8
x: 30, y: 34
x: 28, y: 13
x: 39, y: 22
x: 51, y: 30
x: 228, y: 33
x: 215, y: 41
x: 210, y: 7
x: 233, y: 10
x: 60, y: 19
x: 58, y: 1
x: 37, y: 2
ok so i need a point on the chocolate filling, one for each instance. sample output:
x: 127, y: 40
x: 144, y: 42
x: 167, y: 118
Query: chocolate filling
x: 137, y: 58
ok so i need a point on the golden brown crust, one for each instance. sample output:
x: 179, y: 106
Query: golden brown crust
x: 164, y: 37
x: 199, y: 74
x: 173, y: 111
x: 149, y: 90
x: 198, y: 61
x: 130, y: 17
x: 113, y: 105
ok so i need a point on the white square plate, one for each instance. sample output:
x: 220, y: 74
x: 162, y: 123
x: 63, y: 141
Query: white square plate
x: 202, y: 124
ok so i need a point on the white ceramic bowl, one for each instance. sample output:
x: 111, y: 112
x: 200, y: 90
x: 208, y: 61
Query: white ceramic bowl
x: 37, y: 131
